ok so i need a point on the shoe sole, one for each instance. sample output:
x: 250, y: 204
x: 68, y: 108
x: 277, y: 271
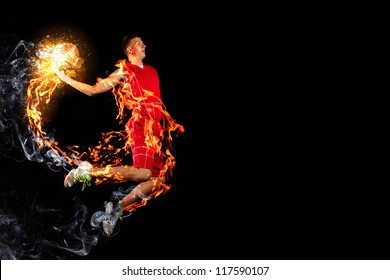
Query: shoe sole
x: 69, y: 179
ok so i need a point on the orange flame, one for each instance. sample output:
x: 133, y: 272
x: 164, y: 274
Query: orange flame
x: 39, y: 92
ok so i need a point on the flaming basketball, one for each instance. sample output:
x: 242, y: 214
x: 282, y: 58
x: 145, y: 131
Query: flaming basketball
x: 66, y: 56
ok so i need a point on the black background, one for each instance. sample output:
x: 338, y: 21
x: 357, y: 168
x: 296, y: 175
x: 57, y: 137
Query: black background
x: 204, y: 215
x: 259, y: 175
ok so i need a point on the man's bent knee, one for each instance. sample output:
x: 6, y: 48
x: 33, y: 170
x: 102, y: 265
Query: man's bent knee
x: 143, y: 174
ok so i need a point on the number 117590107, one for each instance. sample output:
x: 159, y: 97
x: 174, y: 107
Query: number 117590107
x: 242, y: 270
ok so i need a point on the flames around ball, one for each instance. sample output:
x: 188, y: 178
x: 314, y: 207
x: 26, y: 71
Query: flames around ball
x: 66, y: 56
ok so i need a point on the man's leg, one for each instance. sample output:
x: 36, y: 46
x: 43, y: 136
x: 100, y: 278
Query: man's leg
x: 103, y: 175
x: 136, y: 198
x: 120, y: 174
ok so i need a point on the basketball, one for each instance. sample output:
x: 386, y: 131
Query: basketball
x: 66, y: 56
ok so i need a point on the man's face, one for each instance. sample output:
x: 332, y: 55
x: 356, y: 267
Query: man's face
x: 137, y: 48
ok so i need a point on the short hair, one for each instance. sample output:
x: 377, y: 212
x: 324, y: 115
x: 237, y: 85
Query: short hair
x: 126, y: 41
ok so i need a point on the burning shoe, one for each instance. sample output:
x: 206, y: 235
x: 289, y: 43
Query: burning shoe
x: 80, y: 174
x: 111, y: 217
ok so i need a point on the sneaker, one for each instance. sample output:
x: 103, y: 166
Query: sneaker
x: 79, y: 174
x: 111, y: 217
